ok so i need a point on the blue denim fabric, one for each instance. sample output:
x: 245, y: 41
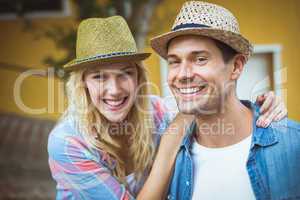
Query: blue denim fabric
x: 273, y: 164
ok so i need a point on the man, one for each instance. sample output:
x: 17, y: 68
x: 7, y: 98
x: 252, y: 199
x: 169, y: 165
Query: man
x: 224, y: 155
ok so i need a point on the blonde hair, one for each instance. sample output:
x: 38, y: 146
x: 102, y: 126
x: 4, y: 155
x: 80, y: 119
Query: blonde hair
x: 94, y: 126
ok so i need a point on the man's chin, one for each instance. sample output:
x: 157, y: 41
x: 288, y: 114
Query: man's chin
x: 193, y: 109
x: 187, y: 109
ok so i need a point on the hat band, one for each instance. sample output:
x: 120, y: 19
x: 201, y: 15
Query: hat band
x: 189, y: 25
x: 105, y: 56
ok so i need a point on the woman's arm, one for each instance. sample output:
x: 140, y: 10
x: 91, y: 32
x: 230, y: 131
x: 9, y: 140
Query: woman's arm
x: 157, y: 183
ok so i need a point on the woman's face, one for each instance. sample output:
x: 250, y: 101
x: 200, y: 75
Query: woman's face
x: 112, y: 88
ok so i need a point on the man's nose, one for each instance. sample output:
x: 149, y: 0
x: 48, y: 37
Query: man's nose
x: 186, y: 73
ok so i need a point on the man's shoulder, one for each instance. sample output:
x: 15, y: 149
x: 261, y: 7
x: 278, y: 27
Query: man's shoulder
x: 282, y: 158
x: 286, y: 130
x: 285, y: 125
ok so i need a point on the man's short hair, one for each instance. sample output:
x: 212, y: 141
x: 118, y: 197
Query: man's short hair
x: 227, y: 51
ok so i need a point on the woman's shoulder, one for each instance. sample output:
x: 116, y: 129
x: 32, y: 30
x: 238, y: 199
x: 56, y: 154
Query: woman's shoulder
x: 159, y: 110
x: 62, y: 130
x: 164, y: 109
x: 161, y: 117
x: 65, y: 138
x: 164, y: 105
x: 65, y: 142
x: 158, y: 106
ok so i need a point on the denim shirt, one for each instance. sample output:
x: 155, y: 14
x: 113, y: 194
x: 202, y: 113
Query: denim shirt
x: 273, y: 163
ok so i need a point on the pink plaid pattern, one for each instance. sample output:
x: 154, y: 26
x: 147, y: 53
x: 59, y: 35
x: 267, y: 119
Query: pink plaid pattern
x: 84, y: 173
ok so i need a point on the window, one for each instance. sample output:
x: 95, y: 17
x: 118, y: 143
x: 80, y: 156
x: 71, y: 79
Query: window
x: 11, y: 9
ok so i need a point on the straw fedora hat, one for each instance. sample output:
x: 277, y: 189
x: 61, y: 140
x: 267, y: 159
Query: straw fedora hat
x: 205, y: 19
x: 104, y: 40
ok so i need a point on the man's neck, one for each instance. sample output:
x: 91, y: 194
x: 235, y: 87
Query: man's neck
x: 228, y: 126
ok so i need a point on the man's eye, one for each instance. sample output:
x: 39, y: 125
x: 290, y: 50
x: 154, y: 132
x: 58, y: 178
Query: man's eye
x: 201, y: 59
x: 125, y: 74
x: 129, y: 72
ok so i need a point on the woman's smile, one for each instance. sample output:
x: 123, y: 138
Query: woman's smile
x: 115, y: 104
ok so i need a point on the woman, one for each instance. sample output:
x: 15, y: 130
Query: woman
x: 104, y: 145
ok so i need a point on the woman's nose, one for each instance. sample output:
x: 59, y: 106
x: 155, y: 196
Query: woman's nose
x: 113, y: 87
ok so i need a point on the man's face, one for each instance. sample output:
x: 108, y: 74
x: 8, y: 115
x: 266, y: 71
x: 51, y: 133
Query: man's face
x: 198, y: 76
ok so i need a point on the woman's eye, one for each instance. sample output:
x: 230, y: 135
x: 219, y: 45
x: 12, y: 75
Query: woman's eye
x: 99, y: 76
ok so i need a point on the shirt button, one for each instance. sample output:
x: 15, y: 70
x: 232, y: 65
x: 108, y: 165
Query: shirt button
x: 169, y: 196
x: 187, y: 183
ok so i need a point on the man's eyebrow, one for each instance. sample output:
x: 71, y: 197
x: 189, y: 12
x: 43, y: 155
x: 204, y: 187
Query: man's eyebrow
x: 191, y: 53
x: 127, y: 67
x: 199, y: 52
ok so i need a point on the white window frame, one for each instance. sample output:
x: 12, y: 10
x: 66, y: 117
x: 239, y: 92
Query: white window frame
x: 279, y: 73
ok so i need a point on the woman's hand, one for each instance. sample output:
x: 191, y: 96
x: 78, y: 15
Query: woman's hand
x: 177, y: 128
x: 157, y: 182
x: 272, y: 109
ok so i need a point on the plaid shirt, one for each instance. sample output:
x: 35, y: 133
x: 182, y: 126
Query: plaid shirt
x: 84, y: 173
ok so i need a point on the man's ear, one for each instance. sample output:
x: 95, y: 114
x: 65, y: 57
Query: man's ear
x: 238, y: 65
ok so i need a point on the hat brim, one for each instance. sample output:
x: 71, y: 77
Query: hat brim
x: 236, y: 41
x: 92, y: 62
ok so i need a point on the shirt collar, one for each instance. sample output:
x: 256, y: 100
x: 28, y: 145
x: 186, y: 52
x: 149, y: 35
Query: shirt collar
x: 188, y: 139
x: 260, y: 136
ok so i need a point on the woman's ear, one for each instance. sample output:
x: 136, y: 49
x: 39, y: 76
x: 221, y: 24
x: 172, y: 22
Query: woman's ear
x: 239, y: 62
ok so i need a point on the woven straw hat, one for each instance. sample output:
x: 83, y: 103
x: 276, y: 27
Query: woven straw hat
x: 206, y: 19
x: 104, y: 40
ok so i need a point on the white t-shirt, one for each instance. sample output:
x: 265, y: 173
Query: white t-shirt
x: 220, y: 173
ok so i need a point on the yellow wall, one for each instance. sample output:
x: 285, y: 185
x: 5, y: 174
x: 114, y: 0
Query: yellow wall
x: 20, y: 47
x: 262, y: 22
